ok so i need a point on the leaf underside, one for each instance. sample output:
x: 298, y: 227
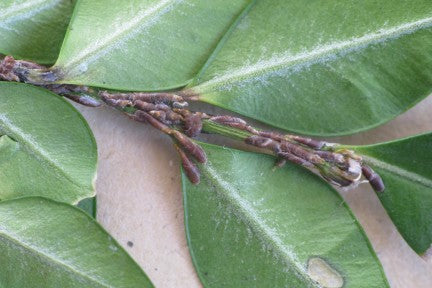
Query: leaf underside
x: 251, y: 226
x: 323, y: 67
x: 49, y: 244
x: 46, y: 147
x: 405, y: 166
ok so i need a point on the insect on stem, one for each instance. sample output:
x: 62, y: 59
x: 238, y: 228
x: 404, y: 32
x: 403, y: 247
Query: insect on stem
x: 167, y: 112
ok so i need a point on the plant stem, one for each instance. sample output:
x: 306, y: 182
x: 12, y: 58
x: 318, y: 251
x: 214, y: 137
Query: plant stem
x: 167, y: 112
x: 219, y: 129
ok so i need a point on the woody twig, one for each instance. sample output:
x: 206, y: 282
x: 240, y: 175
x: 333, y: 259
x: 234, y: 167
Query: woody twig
x: 169, y: 113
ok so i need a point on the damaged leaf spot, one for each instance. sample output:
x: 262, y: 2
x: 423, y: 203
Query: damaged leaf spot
x: 321, y: 272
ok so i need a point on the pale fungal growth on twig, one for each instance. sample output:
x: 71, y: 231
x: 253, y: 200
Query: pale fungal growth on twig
x: 168, y: 112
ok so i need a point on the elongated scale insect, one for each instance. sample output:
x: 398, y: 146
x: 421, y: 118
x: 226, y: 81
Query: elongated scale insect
x: 262, y: 142
x: 374, y: 179
x: 294, y: 159
x: 227, y: 119
x: 340, y: 167
x: 6, y: 69
x: 315, y: 144
x: 301, y: 152
x: 83, y: 100
x: 190, y: 169
x: 190, y: 147
x: 192, y: 125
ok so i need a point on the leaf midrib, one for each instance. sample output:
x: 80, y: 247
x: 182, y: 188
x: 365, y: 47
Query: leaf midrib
x: 21, y: 137
x: 316, y: 54
x: 130, y: 27
x: 263, y: 230
x: 50, y: 257
x: 411, y: 176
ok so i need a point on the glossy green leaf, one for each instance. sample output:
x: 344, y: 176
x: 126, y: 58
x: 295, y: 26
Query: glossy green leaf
x: 249, y: 225
x: 46, y: 147
x: 406, y: 169
x: 142, y: 44
x: 323, y: 67
x: 34, y: 29
x: 88, y: 205
x: 49, y: 244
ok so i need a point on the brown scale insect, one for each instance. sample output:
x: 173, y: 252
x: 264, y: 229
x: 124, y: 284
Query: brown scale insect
x: 18, y: 71
x: 146, y: 97
x: 180, y: 105
x: 285, y: 150
x: 339, y: 159
x: 190, y: 169
x: 142, y: 116
x: 144, y: 106
x: 294, y: 159
x: 312, y: 143
x: 160, y: 116
x: 192, y: 125
x: 262, y: 142
x: 175, y: 118
x: 341, y: 167
x: 227, y: 119
x: 272, y: 135
x: 374, y: 179
x: 189, y: 146
x: 6, y: 69
x: 166, y: 117
x: 234, y: 122
x: 83, y: 100
x: 69, y: 91
x: 158, y: 97
x: 301, y: 152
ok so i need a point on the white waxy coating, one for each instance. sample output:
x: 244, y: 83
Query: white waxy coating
x: 321, y: 272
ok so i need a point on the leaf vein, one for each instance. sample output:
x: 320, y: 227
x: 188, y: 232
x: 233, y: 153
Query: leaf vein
x: 102, y: 46
x: 26, y: 139
x: 249, y: 216
x: 317, y: 54
x: 48, y: 256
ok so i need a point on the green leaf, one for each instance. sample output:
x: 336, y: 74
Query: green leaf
x: 405, y: 167
x: 323, y: 67
x: 47, y: 148
x: 34, y: 29
x: 249, y: 225
x: 49, y: 244
x: 142, y: 44
x: 88, y: 205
